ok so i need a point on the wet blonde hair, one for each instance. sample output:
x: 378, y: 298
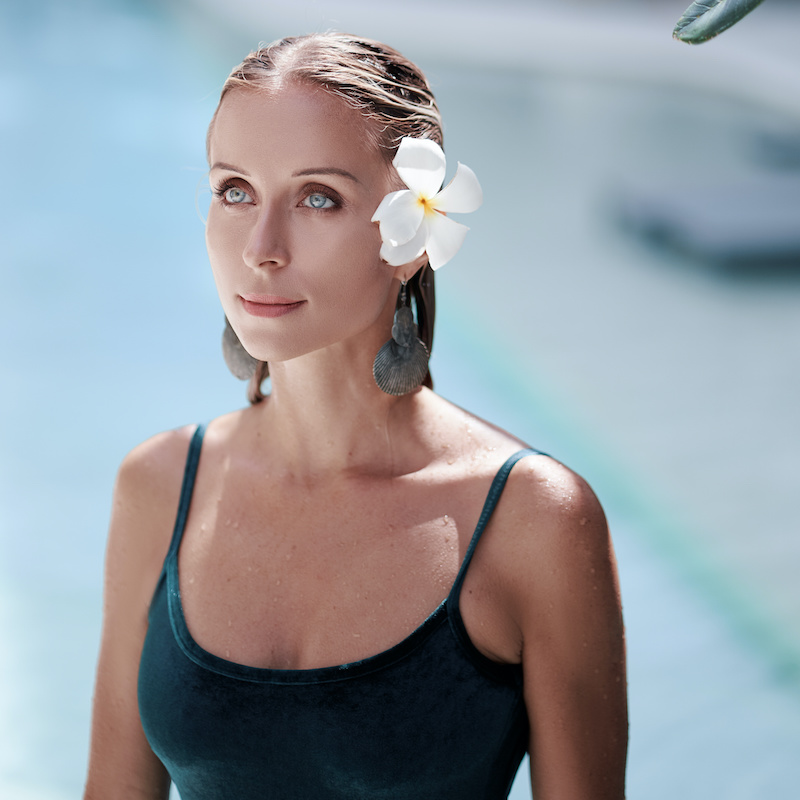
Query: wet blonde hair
x: 389, y: 91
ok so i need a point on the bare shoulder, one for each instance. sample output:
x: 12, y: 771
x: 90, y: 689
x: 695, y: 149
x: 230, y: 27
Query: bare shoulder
x: 146, y: 495
x: 549, y: 524
x: 553, y: 532
x: 549, y: 558
x: 556, y: 505
x: 145, y: 503
x: 540, y: 490
x: 152, y: 469
x: 553, y: 550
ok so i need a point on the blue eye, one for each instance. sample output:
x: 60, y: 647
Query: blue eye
x: 235, y: 195
x: 318, y: 200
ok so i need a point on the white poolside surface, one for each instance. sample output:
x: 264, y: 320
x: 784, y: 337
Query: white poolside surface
x: 673, y: 389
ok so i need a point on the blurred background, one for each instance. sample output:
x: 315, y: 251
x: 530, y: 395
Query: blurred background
x: 628, y: 300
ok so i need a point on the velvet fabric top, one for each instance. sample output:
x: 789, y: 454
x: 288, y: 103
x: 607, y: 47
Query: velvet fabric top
x: 429, y: 719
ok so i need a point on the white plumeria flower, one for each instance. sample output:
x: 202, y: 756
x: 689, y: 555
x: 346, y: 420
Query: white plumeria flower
x: 412, y: 221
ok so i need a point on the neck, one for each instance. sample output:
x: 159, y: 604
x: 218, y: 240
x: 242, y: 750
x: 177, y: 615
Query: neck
x: 326, y: 416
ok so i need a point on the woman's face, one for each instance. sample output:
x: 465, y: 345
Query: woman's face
x: 294, y: 254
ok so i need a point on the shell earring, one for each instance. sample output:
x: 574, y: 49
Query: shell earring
x: 402, y: 363
x: 239, y: 361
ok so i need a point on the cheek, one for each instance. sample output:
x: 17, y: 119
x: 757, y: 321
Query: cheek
x: 346, y: 254
x: 212, y: 237
x: 343, y: 273
x: 222, y: 244
x: 365, y: 292
x: 366, y: 246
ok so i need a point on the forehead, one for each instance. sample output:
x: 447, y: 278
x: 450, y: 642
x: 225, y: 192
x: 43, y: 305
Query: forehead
x: 295, y: 127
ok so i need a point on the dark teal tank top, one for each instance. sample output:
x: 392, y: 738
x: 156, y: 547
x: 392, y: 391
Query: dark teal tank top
x: 429, y: 719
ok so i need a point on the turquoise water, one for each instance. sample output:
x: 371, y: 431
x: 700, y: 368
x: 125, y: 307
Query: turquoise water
x: 114, y: 329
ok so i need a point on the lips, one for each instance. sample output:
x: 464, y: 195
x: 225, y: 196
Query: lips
x: 269, y: 299
x: 268, y: 305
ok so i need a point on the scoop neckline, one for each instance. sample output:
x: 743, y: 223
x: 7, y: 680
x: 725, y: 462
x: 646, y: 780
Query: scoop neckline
x: 233, y: 669
x: 448, y: 609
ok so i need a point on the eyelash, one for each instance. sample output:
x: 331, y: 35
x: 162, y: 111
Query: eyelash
x: 221, y: 188
x: 325, y: 192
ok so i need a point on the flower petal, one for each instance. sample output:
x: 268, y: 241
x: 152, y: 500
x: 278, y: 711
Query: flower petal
x: 399, y: 215
x: 420, y: 164
x: 462, y: 195
x: 384, y: 204
x: 397, y: 255
x: 445, y: 237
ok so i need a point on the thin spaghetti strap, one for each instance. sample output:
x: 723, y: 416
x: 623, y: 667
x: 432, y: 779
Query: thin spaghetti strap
x: 189, y: 473
x: 495, y: 490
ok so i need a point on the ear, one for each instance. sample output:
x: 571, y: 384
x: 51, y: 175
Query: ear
x: 406, y: 271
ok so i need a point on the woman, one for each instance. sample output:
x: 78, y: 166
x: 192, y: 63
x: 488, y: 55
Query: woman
x: 334, y: 615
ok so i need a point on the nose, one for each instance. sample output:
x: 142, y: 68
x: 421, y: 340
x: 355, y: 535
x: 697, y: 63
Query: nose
x: 267, y: 245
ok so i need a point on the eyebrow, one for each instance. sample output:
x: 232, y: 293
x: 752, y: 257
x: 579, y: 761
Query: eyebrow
x: 229, y: 167
x: 327, y: 171
x: 300, y: 173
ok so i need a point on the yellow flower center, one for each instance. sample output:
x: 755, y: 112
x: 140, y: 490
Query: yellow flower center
x: 426, y: 204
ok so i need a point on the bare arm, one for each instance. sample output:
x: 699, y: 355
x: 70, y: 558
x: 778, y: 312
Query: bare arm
x: 568, y: 610
x: 121, y: 763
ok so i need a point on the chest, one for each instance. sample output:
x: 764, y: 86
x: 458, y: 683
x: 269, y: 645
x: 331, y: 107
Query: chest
x: 277, y: 574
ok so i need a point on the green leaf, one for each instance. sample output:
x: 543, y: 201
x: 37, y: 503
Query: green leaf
x: 704, y: 20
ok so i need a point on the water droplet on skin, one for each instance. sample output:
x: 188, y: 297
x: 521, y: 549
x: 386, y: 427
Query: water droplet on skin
x: 278, y: 582
x: 583, y: 521
x: 227, y: 654
x: 230, y: 623
x: 445, y: 519
x: 451, y: 461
